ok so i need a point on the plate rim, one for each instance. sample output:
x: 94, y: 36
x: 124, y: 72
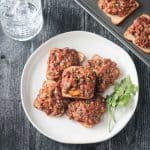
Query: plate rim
x: 21, y: 91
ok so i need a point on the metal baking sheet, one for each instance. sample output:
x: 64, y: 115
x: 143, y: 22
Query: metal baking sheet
x: 92, y: 8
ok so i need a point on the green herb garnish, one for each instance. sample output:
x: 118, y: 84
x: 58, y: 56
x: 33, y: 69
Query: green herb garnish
x: 123, y: 93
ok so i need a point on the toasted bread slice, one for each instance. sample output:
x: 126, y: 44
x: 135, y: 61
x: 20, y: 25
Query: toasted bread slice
x: 49, y: 99
x: 87, y: 112
x: 116, y: 20
x: 130, y: 37
x: 60, y: 59
x: 71, y: 80
x: 106, y: 72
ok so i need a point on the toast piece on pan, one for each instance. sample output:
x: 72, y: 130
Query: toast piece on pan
x: 106, y: 72
x: 139, y: 33
x: 60, y: 59
x: 87, y: 112
x: 78, y: 82
x: 49, y: 99
x: 116, y: 18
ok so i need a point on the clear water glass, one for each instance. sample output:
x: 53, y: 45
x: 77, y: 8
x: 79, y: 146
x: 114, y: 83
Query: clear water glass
x: 21, y: 19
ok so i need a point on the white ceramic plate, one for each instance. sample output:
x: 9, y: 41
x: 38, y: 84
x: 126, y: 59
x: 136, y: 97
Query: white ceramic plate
x: 62, y: 129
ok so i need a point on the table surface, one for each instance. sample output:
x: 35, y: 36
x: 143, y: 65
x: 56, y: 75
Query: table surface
x: 16, y: 132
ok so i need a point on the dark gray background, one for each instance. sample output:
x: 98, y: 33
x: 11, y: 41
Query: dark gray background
x: 16, y: 132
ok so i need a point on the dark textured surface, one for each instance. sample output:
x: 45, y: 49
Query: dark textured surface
x: 16, y: 133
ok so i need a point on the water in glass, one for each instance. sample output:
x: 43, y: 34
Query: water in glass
x: 21, y: 19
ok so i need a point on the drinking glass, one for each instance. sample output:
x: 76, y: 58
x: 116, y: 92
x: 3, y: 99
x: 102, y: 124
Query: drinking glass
x: 21, y: 19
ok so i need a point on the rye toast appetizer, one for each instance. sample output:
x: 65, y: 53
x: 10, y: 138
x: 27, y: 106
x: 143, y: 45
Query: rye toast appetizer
x: 87, y: 112
x: 106, y: 72
x: 60, y: 59
x: 139, y: 33
x: 50, y: 100
x: 78, y: 82
x: 118, y: 10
